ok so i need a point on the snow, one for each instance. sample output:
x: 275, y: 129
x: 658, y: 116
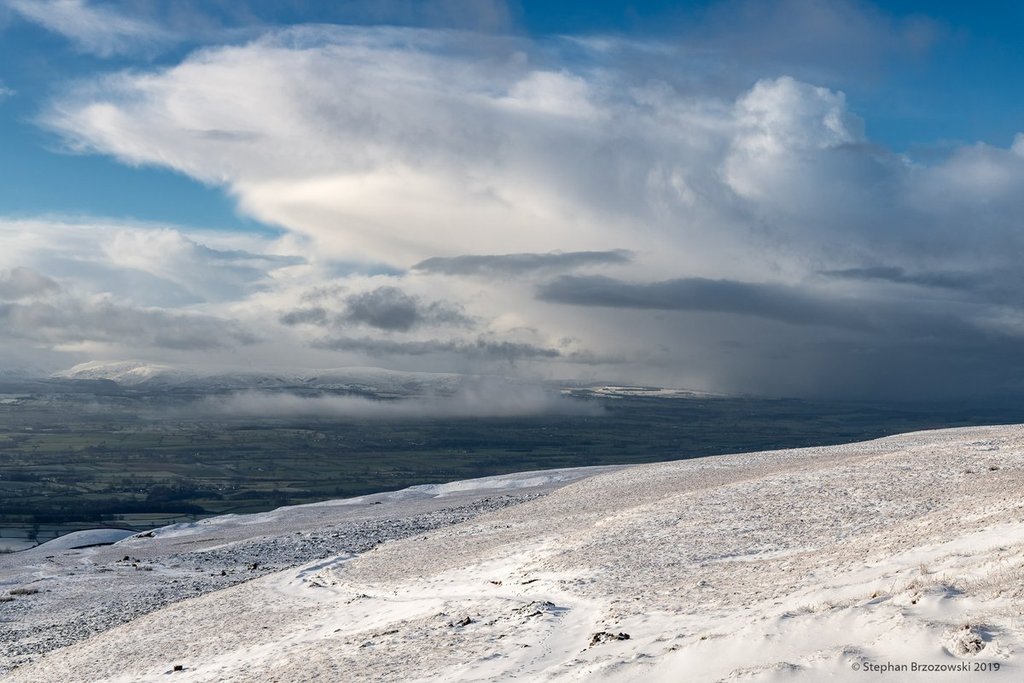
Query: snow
x: 612, y: 391
x: 85, y: 539
x: 134, y: 373
x: 77, y: 593
x: 381, y: 380
x: 801, y: 565
x: 126, y: 373
x: 510, y: 482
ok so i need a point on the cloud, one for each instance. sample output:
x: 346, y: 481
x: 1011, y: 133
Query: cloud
x: 23, y: 283
x: 129, y: 286
x: 482, y: 399
x: 385, y: 308
x: 770, y: 301
x: 811, y: 38
x: 389, y: 308
x: 207, y: 273
x: 479, y: 348
x: 943, y: 279
x: 742, y: 199
x: 118, y: 28
x: 502, y: 265
x: 167, y: 294
x: 475, y: 15
x: 341, y: 154
x: 94, y: 28
x: 368, y: 141
x: 146, y: 264
x: 73, y: 320
x: 316, y: 315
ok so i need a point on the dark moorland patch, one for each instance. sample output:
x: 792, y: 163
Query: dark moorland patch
x: 83, y: 459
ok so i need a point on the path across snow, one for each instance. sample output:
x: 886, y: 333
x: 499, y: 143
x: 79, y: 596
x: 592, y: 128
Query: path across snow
x: 803, y: 565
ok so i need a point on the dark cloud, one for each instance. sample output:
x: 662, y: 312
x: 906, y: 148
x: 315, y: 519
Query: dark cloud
x: 997, y: 286
x: 316, y: 315
x: 517, y: 264
x: 323, y: 293
x: 959, y: 280
x: 223, y: 256
x: 479, y: 348
x: 770, y: 301
x: 23, y: 283
x: 919, y: 361
x: 384, y: 308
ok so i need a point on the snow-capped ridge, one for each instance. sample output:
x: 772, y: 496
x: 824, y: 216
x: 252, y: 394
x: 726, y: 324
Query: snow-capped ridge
x: 144, y: 374
x: 125, y: 373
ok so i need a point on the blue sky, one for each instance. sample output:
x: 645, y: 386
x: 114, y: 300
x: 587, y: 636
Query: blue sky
x: 38, y: 175
x: 776, y: 197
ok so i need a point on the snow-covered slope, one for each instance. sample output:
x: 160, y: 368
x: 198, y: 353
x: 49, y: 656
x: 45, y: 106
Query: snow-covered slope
x: 616, y: 391
x: 126, y: 372
x: 383, y: 381
x: 805, y: 565
x: 142, y: 374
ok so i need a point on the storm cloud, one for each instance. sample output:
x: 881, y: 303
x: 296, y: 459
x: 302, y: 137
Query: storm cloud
x: 960, y: 280
x: 479, y: 348
x: 389, y: 308
x: 503, y: 265
x: 385, y: 308
x: 770, y: 301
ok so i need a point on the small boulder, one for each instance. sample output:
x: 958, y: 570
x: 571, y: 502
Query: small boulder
x: 607, y: 637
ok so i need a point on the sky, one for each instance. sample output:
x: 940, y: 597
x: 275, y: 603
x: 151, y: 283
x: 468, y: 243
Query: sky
x: 781, y: 198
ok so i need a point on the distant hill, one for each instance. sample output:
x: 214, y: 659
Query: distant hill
x: 146, y: 375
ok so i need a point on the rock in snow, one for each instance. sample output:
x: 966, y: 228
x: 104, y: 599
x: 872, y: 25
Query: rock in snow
x: 835, y: 563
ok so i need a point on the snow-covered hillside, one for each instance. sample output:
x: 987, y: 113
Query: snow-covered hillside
x: 148, y: 375
x: 125, y: 373
x: 804, y: 565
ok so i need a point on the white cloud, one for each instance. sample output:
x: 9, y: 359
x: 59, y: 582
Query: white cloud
x: 484, y: 398
x: 400, y: 145
x: 781, y: 124
x: 146, y: 264
x: 92, y: 27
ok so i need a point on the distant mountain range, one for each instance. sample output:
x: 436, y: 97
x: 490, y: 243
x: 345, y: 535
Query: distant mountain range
x: 137, y: 375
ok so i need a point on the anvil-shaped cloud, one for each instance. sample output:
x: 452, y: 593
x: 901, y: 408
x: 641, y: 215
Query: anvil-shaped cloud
x: 441, y: 192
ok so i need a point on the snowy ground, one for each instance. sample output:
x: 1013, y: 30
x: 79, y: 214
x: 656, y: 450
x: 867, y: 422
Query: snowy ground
x: 806, y: 565
x: 64, y: 593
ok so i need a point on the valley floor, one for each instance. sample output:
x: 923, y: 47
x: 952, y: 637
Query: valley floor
x: 842, y: 563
